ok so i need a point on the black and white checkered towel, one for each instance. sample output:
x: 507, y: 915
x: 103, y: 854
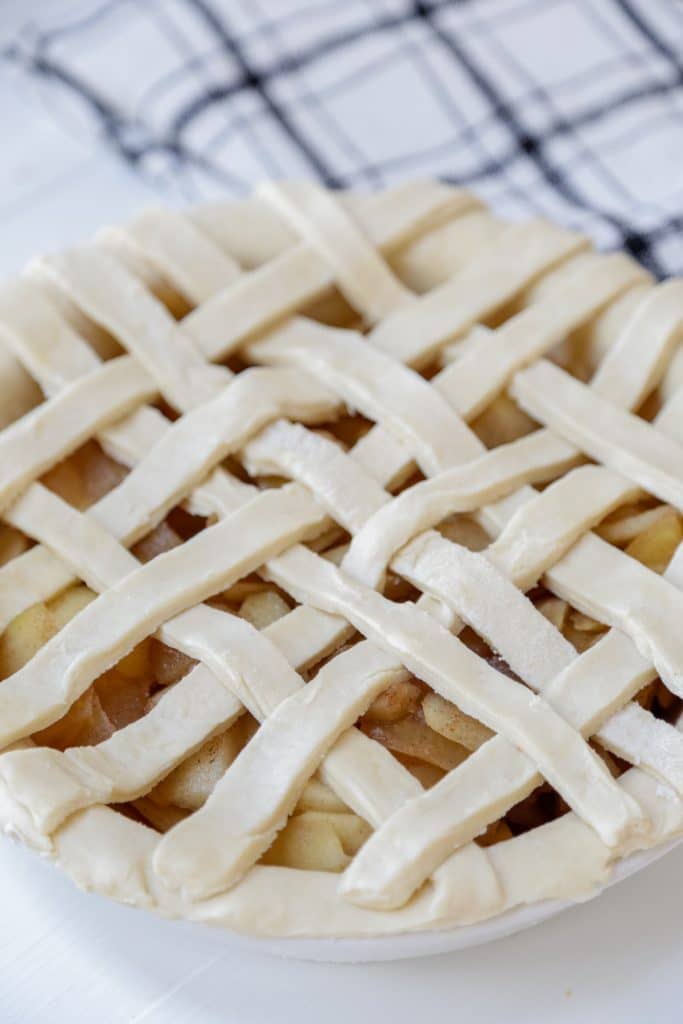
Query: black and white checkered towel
x: 568, y: 108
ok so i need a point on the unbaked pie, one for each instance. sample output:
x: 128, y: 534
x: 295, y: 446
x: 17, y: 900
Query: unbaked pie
x: 340, y: 563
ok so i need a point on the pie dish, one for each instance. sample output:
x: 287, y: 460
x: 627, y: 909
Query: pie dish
x: 341, y: 573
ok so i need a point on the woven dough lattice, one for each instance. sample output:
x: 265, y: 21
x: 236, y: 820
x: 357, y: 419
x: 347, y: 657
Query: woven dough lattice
x: 416, y: 316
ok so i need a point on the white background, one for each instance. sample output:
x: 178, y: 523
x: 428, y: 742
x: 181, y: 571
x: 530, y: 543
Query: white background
x: 67, y: 957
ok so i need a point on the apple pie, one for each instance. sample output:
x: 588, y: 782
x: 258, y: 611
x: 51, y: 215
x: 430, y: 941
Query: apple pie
x: 340, y: 561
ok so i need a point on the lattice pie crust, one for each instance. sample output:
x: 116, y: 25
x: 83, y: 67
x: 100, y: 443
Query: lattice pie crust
x: 331, y: 410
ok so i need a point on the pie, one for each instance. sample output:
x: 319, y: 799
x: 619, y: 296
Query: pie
x: 340, y: 563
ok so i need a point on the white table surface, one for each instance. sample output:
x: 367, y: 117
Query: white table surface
x: 68, y: 957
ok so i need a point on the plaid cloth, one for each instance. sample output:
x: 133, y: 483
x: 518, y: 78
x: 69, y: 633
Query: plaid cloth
x: 572, y: 109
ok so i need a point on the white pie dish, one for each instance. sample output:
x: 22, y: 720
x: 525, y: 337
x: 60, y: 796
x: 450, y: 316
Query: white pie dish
x: 388, y: 948
x: 66, y: 903
x: 351, y: 950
